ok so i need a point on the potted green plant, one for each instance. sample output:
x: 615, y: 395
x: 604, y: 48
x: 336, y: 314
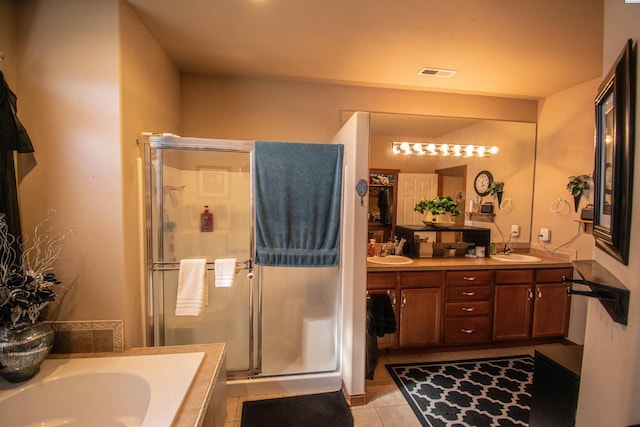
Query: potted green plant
x: 576, y: 185
x: 497, y: 187
x: 438, y: 210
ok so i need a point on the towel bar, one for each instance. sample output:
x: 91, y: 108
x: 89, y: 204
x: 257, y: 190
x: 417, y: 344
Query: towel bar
x: 175, y: 265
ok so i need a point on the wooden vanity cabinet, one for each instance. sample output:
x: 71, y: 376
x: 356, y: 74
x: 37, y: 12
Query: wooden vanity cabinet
x: 459, y: 307
x: 530, y: 304
x: 420, y: 308
x: 468, y: 304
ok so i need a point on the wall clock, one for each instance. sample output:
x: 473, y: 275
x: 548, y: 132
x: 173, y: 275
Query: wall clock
x: 483, y: 182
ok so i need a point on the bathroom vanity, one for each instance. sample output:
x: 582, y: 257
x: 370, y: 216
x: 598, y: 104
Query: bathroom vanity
x: 473, y: 302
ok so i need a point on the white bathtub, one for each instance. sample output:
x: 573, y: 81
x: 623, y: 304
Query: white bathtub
x: 103, y: 391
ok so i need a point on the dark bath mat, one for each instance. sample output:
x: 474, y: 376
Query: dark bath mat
x: 313, y: 410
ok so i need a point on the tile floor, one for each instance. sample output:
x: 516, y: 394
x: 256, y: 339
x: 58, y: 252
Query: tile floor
x: 386, y: 407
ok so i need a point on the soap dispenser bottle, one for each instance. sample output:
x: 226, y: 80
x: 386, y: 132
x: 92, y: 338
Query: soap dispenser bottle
x: 372, y: 247
x: 206, y: 220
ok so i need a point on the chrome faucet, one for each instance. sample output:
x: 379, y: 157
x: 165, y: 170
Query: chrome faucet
x: 384, y: 251
x: 506, y: 250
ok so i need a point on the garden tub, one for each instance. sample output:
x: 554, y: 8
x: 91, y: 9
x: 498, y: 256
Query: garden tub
x: 145, y: 390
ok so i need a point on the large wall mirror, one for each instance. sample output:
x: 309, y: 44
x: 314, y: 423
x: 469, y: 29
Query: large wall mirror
x: 513, y: 165
x: 613, y: 174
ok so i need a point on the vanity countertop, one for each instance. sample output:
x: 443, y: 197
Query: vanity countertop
x: 464, y: 263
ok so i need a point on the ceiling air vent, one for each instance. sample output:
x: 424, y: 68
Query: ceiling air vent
x: 438, y: 72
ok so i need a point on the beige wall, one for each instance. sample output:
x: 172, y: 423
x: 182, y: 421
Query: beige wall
x: 565, y: 148
x: 610, y: 382
x: 69, y: 86
x: 90, y: 79
x: 150, y: 90
x: 219, y: 107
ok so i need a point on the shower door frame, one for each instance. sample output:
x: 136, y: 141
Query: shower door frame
x: 156, y: 293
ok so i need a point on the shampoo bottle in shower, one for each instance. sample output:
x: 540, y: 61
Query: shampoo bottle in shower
x: 206, y: 220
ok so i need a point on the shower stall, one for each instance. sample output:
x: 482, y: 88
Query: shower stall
x: 275, y: 321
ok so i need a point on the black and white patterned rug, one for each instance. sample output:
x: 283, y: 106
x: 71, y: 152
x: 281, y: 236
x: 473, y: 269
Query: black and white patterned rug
x: 481, y: 392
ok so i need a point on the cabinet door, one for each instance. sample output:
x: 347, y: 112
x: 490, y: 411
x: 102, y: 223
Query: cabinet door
x: 420, y: 316
x: 512, y: 312
x: 388, y: 340
x: 551, y: 310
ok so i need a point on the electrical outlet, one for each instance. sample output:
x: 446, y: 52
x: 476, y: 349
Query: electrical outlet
x: 545, y: 234
x: 515, y: 231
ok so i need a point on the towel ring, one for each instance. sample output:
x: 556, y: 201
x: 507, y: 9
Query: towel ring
x: 557, y: 205
x: 506, y: 204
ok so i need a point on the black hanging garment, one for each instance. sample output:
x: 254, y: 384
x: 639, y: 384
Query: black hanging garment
x: 380, y: 321
x: 13, y: 137
x: 372, y: 343
x: 384, y: 204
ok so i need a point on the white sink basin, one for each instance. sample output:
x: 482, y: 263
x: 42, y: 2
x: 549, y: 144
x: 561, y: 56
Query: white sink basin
x: 516, y: 258
x: 390, y: 260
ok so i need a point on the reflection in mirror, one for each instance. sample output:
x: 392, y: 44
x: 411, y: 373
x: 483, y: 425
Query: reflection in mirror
x: 513, y: 165
x: 607, y: 163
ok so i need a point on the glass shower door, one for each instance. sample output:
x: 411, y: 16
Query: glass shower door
x: 183, y: 184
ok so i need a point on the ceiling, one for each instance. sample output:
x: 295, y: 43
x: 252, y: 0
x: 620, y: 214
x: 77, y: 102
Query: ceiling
x: 512, y: 48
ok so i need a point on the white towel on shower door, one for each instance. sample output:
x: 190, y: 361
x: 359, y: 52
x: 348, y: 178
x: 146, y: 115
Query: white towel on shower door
x: 225, y: 269
x: 193, y: 292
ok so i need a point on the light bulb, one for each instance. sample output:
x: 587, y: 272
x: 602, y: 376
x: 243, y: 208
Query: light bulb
x: 469, y: 150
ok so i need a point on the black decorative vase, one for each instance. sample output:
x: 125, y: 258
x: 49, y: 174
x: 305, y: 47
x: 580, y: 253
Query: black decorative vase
x: 499, y: 194
x: 23, y: 348
x: 576, y: 202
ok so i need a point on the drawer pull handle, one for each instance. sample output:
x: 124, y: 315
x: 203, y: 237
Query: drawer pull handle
x: 469, y: 309
x: 530, y: 297
x: 467, y: 331
x: 468, y: 294
x: 469, y: 278
x: 393, y: 297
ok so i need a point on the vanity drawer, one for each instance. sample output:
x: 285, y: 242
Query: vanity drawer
x: 462, y: 330
x: 551, y: 275
x: 421, y: 279
x: 384, y: 280
x: 472, y: 308
x: 514, y: 276
x: 466, y: 278
x: 468, y: 293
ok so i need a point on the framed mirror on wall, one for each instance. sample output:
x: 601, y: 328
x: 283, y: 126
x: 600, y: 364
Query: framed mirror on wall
x: 613, y: 174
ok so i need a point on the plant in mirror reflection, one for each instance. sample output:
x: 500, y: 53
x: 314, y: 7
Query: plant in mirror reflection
x: 26, y: 278
x: 496, y: 187
x: 438, y: 206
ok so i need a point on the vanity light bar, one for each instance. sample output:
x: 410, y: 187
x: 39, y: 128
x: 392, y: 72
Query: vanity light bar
x: 443, y: 150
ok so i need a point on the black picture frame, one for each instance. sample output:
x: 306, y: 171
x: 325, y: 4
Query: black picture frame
x: 615, y: 141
